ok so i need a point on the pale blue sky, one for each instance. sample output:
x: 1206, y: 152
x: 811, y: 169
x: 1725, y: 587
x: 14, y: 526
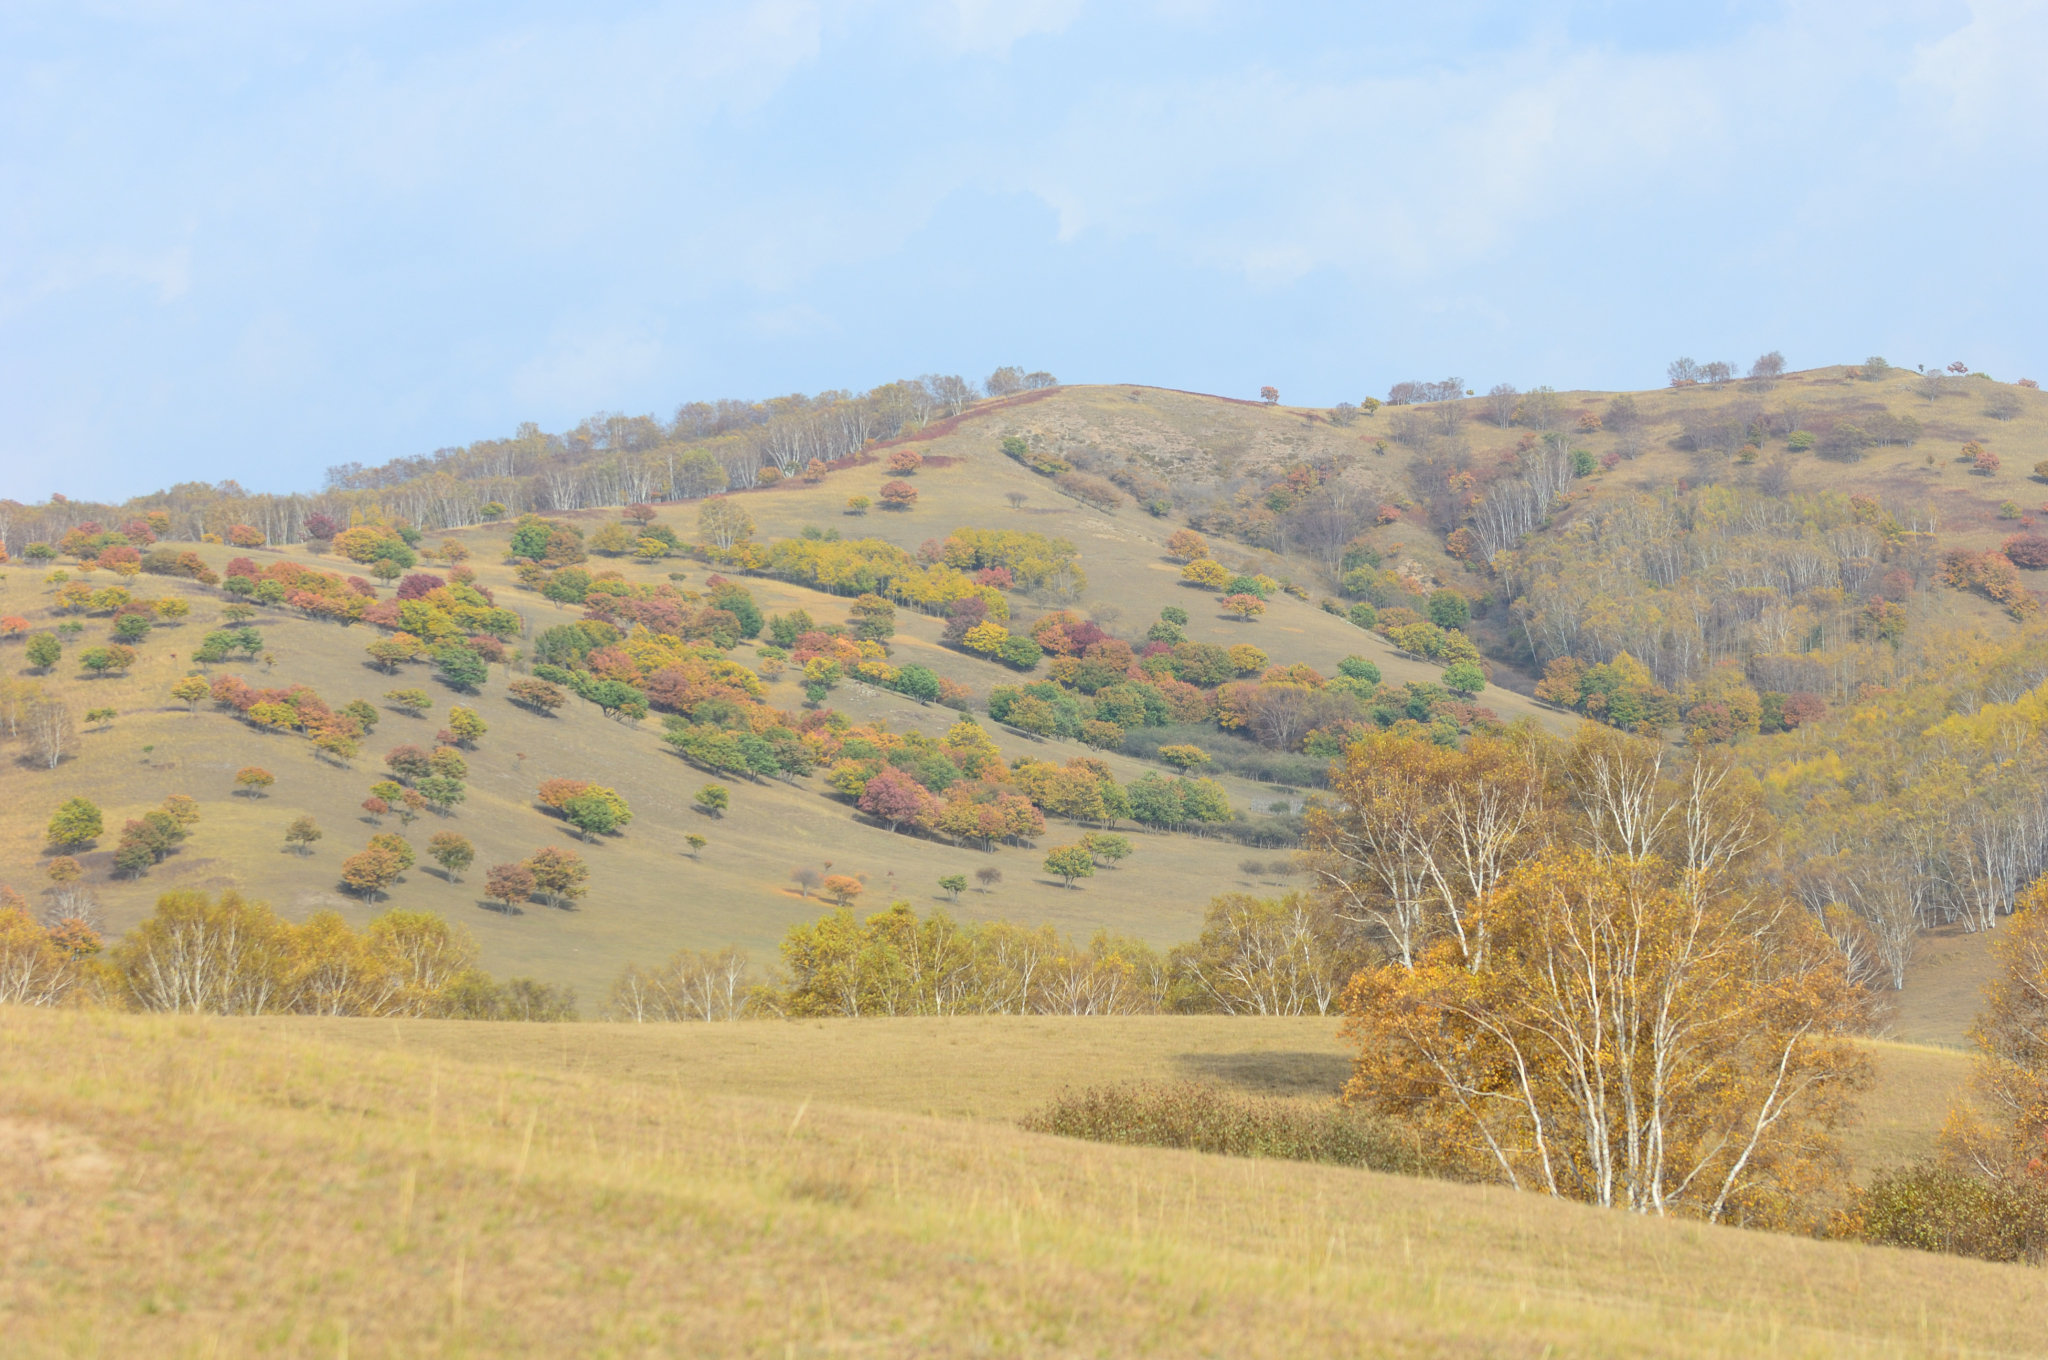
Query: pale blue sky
x: 249, y: 240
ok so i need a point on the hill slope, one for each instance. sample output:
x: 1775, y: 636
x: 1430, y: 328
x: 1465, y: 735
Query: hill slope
x: 1221, y: 463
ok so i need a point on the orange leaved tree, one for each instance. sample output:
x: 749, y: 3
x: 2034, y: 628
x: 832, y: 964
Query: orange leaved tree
x: 1630, y: 1041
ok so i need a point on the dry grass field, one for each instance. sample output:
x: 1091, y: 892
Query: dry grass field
x: 185, y: 1187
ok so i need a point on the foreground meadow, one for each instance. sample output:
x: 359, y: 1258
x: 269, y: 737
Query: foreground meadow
x: 286, y: 1187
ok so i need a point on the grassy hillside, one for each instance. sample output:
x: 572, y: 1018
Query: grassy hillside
x: 649, y: 896
x: 285, y: 1187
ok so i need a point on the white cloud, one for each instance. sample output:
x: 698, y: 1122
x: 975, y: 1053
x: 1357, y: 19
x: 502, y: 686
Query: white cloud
x: 995, y: 26
x: 1986, y: 77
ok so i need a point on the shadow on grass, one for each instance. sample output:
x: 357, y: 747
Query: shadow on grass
x: 1271, y: 1074
x: 501, y: 908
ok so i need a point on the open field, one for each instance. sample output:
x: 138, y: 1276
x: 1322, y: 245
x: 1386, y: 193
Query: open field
x: 1002, y: 1067
x: 189, y: 1187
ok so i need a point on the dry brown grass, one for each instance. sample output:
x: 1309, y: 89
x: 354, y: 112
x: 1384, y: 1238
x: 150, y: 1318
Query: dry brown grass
x: 187, y: 1187
x: 1003, y: 1067
x: 1945, y: 989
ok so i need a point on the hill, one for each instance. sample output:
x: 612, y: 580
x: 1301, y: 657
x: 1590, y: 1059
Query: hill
x: 464, y: 1188
x: 1347, y: 507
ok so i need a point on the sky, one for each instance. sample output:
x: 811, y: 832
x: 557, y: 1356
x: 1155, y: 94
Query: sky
x: 250, y: 240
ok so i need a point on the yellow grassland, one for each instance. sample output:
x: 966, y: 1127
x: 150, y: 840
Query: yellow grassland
x: 180, y: 1186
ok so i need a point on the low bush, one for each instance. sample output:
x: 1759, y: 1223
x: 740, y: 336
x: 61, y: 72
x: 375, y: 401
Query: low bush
x: 1203, y: 1117
x: 1936, y: 1208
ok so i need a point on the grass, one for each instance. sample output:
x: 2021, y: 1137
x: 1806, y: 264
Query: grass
x: 1945, y: 988
x: 189, y: 1187
x: 1005, y: 1068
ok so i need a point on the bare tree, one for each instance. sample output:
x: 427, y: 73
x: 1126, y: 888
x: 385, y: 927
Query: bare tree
x: 50, y: 731
x: 1323, y: 529
x: 1771, y: 365
x: 1682, y: 371
x: 1500, y: 403
x: 952, y: 392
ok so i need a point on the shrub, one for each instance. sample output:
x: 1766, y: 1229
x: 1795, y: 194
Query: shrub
x: 898, y: 495
x: 2026, y: 550
x: 1202, y: 1117
x: 1936, y: 1208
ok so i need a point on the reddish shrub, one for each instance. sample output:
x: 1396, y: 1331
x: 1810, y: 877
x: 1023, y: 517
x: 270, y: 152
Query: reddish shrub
x: 418, y: 584
x: 2023, y: 550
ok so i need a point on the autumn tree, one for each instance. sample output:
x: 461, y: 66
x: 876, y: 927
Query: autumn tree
x: 509, y: 883
x: 1417, y: 834
x: 714, y: 799
x: 1070, y: 862
x: 1244, y: 606
x: 190, y: 691
x: 1186, y: 545
x: 369, y: 872
x: 301, y: 834
x: 696, y: 844
x: 452, y: 852
x: 254, y: 780
x: 412, y: 703
x: 1630, y: 1040
x: 988, y: 876
x: 560, y: 876
x: 723, y: 522
x: 806, y: 879
x: 1999, y: 1136
x: 1262, y: 956
x: 954, y: 884
x: 467, y: 725
x: 538, y: 695
x: 77, y: 823
x: 898, y: 495
x: 895, y: 796
x: 842, y: 888
x: 409, y: 762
